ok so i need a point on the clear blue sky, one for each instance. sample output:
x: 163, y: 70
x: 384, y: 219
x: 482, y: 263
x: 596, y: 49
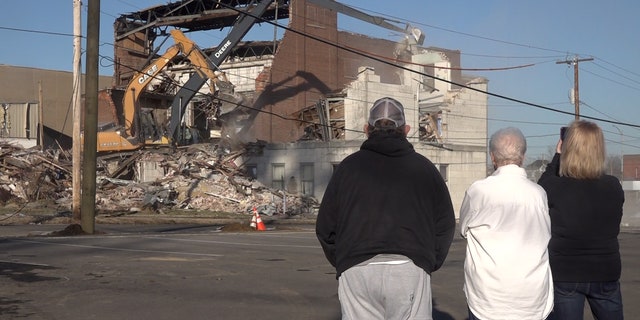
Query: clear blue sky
x: 490, y: 34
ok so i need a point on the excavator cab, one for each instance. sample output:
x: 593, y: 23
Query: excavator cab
x: 140, y: 125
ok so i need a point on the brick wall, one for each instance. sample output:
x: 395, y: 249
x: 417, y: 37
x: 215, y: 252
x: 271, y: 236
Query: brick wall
x: 631, y: 167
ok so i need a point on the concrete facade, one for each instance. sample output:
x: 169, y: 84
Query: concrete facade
x: 304, y: 71
x: 319, y: 61
x: 463, y: 166
x: 461, y: 159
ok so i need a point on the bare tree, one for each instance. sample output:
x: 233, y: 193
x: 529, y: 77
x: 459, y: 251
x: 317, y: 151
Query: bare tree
x: 613, y: 165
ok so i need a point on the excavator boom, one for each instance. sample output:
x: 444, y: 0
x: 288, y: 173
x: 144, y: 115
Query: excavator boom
x: 195, y: 82
x: 129, y: 137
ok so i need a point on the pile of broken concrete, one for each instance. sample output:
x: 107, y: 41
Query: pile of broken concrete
x: 197, y: 177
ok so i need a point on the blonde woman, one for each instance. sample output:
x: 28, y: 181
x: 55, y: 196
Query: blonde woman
x: 585, y: 206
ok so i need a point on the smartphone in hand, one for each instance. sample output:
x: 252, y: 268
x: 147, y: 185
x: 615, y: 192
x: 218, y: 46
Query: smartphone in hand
x: 563, y: 131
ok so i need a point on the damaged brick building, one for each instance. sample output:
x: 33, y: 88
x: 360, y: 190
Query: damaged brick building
x: 303, y: 99
x: 308, y: 101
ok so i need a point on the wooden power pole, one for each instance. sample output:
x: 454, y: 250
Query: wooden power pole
x: 76, y: 176
x: 576, y: 87
x: 88, y: 201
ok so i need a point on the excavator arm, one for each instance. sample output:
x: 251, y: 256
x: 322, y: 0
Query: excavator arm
x: 130, y: 138
x: 195, y: 82
x: 412, y: 36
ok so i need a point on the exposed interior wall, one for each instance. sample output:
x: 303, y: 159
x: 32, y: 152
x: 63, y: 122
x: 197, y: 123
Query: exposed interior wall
x: 304, y: 70
x: 131, y: 54
x: 465, y: 115
x: 302, y: 73
x: 461, y: 160
x: 362, y: 93
x: 463, y: 166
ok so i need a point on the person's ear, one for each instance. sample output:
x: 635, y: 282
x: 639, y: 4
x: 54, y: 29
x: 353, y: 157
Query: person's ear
x: 493, y: 160
x: 407, y: 128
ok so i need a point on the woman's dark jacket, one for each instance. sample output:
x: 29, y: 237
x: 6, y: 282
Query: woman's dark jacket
x: 585, y: 223
x: 386, y: 198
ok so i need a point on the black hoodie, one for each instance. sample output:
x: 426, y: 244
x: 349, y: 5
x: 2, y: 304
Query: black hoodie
x: 585, y: 223
x: 386, y: 199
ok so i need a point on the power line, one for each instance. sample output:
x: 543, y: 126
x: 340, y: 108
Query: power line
x: 427, y: 75
x: 38, y: 31
x: 598, y: 111
x: 614, y: 81
x: 345, y: 48
x: 464, y: 33
x: 617, y: 73
x: 400, y: 67
x: 367, y: 53
x: 618, y: 67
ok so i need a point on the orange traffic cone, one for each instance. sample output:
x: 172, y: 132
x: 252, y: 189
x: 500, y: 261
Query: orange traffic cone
x: 254, y: 220
x: 259, y: 224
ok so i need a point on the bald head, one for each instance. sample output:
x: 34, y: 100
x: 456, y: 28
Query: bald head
x: 507, y: 146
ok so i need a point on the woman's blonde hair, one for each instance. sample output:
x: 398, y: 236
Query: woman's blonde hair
x: 583, y: 153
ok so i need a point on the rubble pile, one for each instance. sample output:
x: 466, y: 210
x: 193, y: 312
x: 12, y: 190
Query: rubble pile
x: 196, y: 177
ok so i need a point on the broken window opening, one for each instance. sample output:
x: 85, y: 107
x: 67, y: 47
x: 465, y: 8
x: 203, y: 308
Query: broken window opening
x: 444, y: 171
x: 277, y: 176
x: 431, y: 125
x: 251, y: 170
x: 307, y: 178
x: 323, y: 121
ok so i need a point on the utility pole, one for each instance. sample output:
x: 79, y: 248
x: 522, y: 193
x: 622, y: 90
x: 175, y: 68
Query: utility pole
x: 621, y: 155
x: 88, y: 201
x: 576, y: 87
x: 40, y: 106
x: 76, y: 176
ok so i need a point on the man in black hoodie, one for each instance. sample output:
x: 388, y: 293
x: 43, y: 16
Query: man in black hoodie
x: 386, y: 222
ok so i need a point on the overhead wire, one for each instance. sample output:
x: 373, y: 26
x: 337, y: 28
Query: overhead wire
x: 37, y: 31
x: 463, y: 33
x: 519, y: 102
x: 618, y: 67
x: 401, y: 67
x: 521, y: 45
x: 614, y: 81
x: 285, y: 118
x: 616, y: 73
x: 342, y: 47
x: 368, y: 53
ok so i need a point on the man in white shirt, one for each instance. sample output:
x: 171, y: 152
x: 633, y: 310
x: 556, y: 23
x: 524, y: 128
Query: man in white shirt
x: 505, y: 219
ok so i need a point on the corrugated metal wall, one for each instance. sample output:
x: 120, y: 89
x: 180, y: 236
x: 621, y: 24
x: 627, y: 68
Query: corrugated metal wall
x: 55, y: 88
x: 19, y: 120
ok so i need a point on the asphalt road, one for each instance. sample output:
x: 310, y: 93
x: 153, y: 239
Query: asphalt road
x: 198, y: 272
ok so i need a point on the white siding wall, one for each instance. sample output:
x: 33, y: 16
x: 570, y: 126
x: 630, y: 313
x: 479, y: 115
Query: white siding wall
x: 243, y: 74
x: 464, y: 150
x: 466, y: 116
x: 464, y: 166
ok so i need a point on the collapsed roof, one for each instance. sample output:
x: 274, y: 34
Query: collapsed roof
x: 192, y: 15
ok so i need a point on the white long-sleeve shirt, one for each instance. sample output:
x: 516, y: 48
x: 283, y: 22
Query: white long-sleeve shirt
x: 505, y: 219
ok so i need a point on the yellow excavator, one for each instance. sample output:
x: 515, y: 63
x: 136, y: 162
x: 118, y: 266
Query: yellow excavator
x: 129, y: 135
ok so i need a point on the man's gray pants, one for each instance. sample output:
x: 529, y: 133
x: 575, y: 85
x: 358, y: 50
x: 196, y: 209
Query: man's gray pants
x: 385, y: 287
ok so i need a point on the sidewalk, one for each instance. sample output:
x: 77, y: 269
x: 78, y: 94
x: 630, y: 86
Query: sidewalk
x: 44, y: 224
